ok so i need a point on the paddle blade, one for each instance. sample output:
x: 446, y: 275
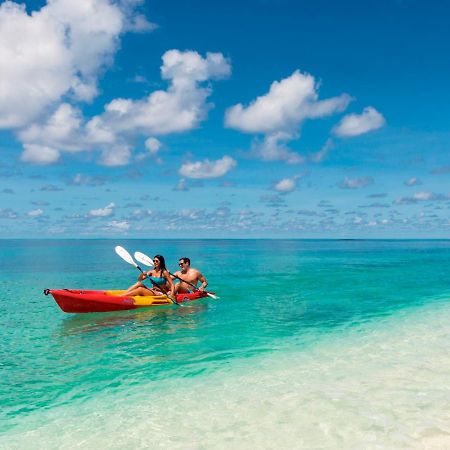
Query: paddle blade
x: 143, y: 258
x: 125, y: 256
x: 212, y: 295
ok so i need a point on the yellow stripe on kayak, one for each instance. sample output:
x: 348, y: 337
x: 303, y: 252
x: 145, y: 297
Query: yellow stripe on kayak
x: 144, y: 300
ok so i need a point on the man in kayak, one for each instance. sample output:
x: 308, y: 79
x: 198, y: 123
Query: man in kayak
x: 188, y: 277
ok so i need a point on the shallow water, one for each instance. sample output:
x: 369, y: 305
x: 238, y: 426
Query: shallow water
x: 313, y: 344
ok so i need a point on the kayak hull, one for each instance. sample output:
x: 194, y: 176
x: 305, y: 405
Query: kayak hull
x: 87, y: 301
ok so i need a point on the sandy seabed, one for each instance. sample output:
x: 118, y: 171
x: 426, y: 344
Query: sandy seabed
x: 383, y: 384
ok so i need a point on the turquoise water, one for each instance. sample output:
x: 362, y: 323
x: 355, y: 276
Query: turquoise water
x: 325, y: 343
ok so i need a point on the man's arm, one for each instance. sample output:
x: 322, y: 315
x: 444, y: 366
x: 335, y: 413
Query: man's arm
x: 203, y: 280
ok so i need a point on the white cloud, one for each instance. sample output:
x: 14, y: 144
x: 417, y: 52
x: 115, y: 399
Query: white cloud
x: 412, y: 182
x: 421, y: 197
x: 189, y: 67
x: 55, y: 51
x: 181, y: 185
x: 98, y: 132
x: 35, y: 213
x: 102, y: 212
x: 62, y: 130
x: 323, y: 152
x: 424, y: 195
x: 207, y: 169
x: 355, y: 183
x: 153, y: 145
x: 39, y: 154
x: 284, y: 107
x: 119, y: 226
x: 286, y: 184
x: 8, y: 213
x: 273, y: 148
x: 280, y: 113
x: 180, y: 108
x: 140, y: 24
x: 193, y: 214
x: 116, y: 155
x: 354, y: 124
x: 84, y: 180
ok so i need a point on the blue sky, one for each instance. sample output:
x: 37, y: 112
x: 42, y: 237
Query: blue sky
x: 224, y: 119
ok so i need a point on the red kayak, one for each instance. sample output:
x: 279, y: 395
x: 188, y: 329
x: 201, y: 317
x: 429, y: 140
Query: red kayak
x: 82, y: 301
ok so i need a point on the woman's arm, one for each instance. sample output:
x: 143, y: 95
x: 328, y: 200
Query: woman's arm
x: 144, y: 275
x: 170, y: 283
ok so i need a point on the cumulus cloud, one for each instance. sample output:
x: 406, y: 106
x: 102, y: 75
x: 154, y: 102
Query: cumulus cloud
x: 323, y: 152
x: 355, y: 183
x: 119, y: 225
x: 136, y: 22
x: 58, y: 50
x: 412, y: 182
x: 286, y: 184
x: 179, y: 108
x: 62, y: 130
x: 39, y: 154
x: 102, y: 212
x: 354, y: 124
x: 35, y: 212
x: 279, y: 114
x: 116, y: 155
x: 284, y: 107
x: 422, y: 197
x: 8, y: 213
x: 153, y: 145
x: 273, y: 148
x: 84, y: 180
x: 181, y: 185
x: 207, y: 169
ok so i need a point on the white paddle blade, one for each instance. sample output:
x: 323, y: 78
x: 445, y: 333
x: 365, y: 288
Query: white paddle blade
x: 144, y: 259
x: 125, y: 255
x: 212, y: 295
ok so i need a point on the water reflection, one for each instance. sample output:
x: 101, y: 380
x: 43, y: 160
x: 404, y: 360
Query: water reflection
x: 163, y: 318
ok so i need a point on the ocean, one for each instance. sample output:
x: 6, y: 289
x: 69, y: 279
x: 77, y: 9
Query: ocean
x: 312, y: 344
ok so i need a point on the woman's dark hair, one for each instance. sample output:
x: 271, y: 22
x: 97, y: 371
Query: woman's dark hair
x: 162, y: 262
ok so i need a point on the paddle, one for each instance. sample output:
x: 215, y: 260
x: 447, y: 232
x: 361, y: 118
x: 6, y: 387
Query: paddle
x: 129, y: 259
x: 126, y: 256
x: 144, y: 259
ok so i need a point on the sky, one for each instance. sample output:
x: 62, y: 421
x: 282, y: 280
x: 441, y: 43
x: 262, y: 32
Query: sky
x: 255, y: 119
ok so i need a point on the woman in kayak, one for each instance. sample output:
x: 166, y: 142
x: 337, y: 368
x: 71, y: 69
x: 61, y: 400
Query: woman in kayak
x: 159, y: 278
